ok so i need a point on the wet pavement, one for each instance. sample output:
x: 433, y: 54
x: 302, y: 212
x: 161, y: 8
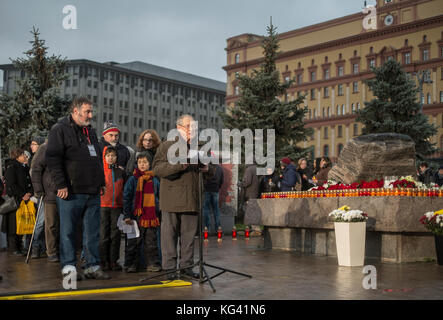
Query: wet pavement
x: 276, y: 275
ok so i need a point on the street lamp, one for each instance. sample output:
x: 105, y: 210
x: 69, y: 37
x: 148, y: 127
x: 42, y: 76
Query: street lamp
x: 423, y: 76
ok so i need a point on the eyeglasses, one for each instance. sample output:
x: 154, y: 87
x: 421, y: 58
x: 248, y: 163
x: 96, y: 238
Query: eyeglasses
x: 34, y: 144
x: 148, y: 140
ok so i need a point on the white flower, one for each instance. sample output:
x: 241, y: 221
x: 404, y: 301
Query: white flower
x: 429, y: 215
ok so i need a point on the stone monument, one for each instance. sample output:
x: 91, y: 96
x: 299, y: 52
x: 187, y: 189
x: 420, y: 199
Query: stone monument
x: 375, y: 156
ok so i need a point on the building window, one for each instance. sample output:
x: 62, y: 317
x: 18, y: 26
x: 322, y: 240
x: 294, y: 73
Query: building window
x: 355, y: 68
x: 355, y: 129
x: 312, y: 94
x: 339, y: 131
x: 326, y: 74
x: 340, y: 71
x: 312, y: 76
x: 355, y: 87
x: 310, y: 113
x: 300, y: 78
x: 407, y: 58
x: 326, y: 151
x: 324, y: 112
x: 329, y: 111
x: 325, y: 133
x: 74, y: 82
x: 338, y: 110
x: 441, y: 96
x: 326, y: 92
x: 340, y: 90
x: 372, y: 63
x: 236, y: 90
x: 425, y: 54
x: 343, y: 111
x: 429, y: 98
x: 315, y: 113
x: 67, y: 83
x: 237, y: 58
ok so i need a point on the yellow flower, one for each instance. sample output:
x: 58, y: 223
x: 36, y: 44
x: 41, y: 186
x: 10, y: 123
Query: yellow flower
x: 438, y: 212
x: 344, y: 208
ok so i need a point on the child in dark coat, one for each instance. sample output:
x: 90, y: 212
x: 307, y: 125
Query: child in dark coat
x: 140, y: 203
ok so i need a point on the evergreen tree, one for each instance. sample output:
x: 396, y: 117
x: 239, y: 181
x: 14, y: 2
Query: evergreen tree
x: 35, y: 106
x: 395, y: 108
x: 259, y: 105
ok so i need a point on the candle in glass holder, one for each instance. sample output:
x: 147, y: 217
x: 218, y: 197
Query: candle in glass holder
x: 408, y: 192
x: 397, y: 192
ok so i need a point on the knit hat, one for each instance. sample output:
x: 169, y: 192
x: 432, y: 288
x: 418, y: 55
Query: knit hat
x: 39, y: 140
x: 286, y: 161
x: 110, y: 126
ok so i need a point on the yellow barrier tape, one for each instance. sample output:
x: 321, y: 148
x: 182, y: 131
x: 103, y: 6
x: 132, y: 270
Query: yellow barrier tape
x: 164, y: 284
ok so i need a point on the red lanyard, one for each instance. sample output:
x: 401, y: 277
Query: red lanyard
x: 86, y: 133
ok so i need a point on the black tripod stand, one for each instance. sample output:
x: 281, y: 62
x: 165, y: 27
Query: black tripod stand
x: 203, y: 275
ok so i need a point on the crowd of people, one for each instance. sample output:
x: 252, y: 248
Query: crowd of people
x: 85, y: 185
x: 92, y: 191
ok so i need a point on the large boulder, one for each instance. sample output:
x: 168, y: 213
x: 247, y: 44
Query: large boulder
x: 375, y: 156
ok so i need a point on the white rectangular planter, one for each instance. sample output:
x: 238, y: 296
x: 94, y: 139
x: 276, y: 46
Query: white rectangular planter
x: 350, y: 239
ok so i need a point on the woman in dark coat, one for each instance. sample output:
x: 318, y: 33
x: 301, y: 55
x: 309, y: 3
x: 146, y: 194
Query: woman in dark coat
x: 305, y: 173
x: 148, y: 141
x: 18, y: 186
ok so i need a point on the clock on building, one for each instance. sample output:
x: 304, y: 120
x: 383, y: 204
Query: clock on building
x: 389, y: 19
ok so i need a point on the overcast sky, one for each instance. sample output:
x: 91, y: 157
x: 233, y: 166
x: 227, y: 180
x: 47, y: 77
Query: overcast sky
x: 185, y: 35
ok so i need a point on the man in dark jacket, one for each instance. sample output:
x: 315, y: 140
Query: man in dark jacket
x: 290, y: 177
x: 425, y: 175
x: 111, y: 136
x: 212, y: 187
x: 44, y: 187
x: 73, y: 158
x: 438, y: 176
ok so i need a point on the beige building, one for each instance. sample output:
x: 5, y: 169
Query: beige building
x: 330, y: 61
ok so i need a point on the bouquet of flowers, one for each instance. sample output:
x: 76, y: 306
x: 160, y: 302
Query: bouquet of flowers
x: 345, y: 214
x: 433, y: 221
x: 404, y: 182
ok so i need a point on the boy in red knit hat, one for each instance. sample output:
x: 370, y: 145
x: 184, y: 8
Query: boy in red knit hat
x: 141, y: 204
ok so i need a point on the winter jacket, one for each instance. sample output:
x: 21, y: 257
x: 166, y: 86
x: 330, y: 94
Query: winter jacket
x: 214, y: 183
x: 269, y: 183
x: 251, y: 182
x: 70, y: 161
x: 115, y: 183
x: 18, y: 180
x: 123, y: 154
x: 426, y: 177
x: 290, y: 178
x: 437, y: 179
x: 178, y: 186
x: 305, y: 182
x: 41, y: 178
x: 322, y: 174
x: 129, y: 197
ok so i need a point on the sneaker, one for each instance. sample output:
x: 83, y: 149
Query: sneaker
x: 97, y: 274
x: 154, y: 268
x: 53, y: 258
x: 17, y: 253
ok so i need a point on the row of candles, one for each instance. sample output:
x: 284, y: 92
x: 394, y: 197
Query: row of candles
x: 373, y: 192
x: 220, y: 233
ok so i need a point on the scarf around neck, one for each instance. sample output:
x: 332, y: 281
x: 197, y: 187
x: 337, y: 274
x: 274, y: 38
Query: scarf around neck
x: 145, y: 199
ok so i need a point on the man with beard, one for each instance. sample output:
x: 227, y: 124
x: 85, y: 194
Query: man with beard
x: 111, y: 136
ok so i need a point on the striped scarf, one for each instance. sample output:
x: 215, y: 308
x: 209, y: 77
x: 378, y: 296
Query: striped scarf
x: 145, y: 199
